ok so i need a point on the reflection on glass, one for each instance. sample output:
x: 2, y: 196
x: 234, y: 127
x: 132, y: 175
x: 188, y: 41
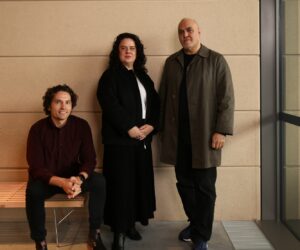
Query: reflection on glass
x: 291, y: 56
x: 291, y: 214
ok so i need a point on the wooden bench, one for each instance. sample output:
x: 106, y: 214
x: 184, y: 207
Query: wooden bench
x: 12, y: 195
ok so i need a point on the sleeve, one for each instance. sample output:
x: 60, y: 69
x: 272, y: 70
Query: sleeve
x: 163, y: 90
x: 35, y: 157
x: 111, y: 106
x: 154, y: 109
x: 225, y: 98
x: 87, y: 150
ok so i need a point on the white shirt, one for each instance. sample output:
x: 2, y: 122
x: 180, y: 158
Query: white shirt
x: 143, y: 95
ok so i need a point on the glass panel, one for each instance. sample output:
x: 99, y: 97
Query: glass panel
x: 291, y: 56
x: 291, y: 214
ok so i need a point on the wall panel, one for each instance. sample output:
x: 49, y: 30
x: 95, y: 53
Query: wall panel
x: 88, y: 27
x: 25, y: 80
x: 230, y: 204
x: 14, y: 130
x: 21, y: 75
x: 242, y: 149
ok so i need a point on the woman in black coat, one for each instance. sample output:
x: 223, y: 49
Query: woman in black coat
x: 130, y: 111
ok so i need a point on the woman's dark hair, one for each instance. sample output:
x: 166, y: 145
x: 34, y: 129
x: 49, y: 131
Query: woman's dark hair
x: 140, y: 61
x: 48, y: 97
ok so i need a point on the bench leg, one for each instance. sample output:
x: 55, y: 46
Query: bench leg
x: 57, y: 223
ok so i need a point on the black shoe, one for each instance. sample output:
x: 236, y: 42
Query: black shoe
x: 133, y: 234
x: 95, y: 241
x: 185, y: 234
x: 201, y: 245
x: 119, y: 241
x: 41, y: 245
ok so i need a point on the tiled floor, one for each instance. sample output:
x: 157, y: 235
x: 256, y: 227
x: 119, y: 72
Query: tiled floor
x: 159, y: 235
x: 246, y: 235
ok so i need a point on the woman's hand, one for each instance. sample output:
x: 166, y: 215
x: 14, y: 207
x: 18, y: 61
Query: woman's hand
x: 146, y: 129
x: 136, y: 133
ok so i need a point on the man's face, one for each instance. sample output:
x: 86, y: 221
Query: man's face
x: 60, y: 108
x: 189, y: 36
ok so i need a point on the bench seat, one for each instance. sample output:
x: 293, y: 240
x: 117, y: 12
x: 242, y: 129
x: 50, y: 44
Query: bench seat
x: 12, y: 195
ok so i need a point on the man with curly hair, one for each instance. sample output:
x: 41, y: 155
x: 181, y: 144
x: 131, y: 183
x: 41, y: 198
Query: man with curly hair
x: 62, y: 159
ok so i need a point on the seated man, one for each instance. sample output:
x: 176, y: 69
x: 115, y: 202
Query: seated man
x: 62, y: 158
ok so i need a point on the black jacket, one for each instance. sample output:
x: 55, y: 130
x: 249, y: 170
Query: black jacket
x: 120, y: 100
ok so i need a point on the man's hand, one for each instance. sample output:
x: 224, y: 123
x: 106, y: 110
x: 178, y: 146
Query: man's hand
x: 71, y: 186
x: 76, y: 186
x: 218, y: 141
x: 67, y: 186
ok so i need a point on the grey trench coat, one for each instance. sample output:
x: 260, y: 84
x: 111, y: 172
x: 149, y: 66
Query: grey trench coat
x: 210, y: 103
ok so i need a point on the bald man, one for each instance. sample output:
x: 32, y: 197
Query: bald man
x: 197, y: 112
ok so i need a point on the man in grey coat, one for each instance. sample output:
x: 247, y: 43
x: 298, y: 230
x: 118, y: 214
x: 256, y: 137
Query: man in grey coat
x: 197, y: 101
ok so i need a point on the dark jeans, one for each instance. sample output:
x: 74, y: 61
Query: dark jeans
x: 196, y: 188
x: 37, y: 192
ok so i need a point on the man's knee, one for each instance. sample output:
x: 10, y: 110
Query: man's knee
x: 35, y: 190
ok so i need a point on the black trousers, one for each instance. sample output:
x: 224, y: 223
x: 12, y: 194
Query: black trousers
x: 37, y: 192
x: 197, y: 191
x: 196, y: 188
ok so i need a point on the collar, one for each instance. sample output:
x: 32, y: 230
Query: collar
x: 52, y: 125
x: 203, y: 52
x: 124, y: 69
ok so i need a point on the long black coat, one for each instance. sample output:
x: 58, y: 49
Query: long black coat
x: 120, y: 100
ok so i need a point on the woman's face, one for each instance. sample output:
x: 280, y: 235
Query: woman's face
x: 127, y: 52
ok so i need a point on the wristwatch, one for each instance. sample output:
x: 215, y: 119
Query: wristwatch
x: 81, y: 177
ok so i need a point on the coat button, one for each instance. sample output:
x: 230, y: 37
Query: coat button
x: 173, y: 96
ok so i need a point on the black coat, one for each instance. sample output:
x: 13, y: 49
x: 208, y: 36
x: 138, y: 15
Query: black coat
x: 120, y: 100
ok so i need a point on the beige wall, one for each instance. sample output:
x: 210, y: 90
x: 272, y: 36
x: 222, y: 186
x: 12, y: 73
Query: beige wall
x: 43, y: 43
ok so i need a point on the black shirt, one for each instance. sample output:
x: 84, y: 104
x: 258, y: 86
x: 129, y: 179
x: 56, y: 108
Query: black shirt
x: 183, y: 116
x: 184, y: 149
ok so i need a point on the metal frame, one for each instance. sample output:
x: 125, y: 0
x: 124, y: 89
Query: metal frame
x: 57, y: 223
x: 284, y: 118
x: 272, y: 116
x: 281, y: 98
x: 292, y: 119
x: 269, y: 109
x: 272, y: 125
